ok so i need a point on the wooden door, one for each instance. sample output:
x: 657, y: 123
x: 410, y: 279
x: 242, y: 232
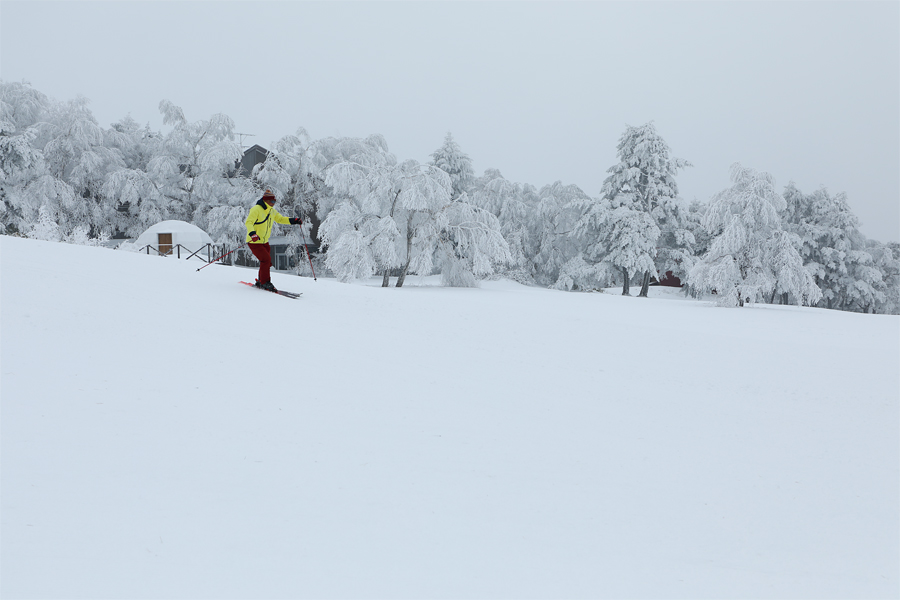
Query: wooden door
x: 165, y: 243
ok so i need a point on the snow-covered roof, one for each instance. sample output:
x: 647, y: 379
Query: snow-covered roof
x: 188, y: 235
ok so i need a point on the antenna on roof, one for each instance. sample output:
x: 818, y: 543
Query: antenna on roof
x: 241, y: 138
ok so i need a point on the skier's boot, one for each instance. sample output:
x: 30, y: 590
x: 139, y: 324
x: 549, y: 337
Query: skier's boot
x: 268, y: 286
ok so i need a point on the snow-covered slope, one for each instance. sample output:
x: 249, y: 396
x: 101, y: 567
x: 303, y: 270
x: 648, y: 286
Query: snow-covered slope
x: 172, y: 434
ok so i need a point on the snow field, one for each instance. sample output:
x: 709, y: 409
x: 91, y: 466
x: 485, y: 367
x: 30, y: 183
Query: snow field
x: 171, y: 434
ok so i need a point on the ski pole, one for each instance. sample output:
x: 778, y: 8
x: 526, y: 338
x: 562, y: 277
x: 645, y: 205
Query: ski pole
x: 220, y: 258
x: 307, y: 253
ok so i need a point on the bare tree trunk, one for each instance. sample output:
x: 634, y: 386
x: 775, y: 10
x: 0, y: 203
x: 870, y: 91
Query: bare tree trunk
x: 386, y: 282
x: 409, y: 238
x: 625, y: 290
x: 645, y: 285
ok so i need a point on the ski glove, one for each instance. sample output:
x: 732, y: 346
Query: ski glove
x: 254, y: 237
x: 296, y: 221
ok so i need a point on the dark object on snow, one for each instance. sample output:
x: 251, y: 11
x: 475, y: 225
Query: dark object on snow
x: 259, y: 286
x: 668, y: 280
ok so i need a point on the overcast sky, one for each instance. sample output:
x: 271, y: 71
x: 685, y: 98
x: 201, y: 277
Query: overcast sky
x: 542, y: 91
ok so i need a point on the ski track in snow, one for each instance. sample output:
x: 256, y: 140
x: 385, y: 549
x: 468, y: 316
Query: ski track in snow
x: 170, y: 433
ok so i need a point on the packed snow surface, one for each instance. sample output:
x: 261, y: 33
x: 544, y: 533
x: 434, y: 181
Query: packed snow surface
x: 168, y: 433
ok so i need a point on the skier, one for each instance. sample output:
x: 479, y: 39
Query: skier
x: 259, y: 229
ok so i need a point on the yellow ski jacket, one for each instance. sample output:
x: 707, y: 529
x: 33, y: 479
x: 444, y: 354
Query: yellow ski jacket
x: 260, y: 221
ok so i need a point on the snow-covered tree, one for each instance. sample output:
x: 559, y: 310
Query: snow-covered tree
x: 49, y: 198
x: 187, y: 174
x: 578, y: 274
x: 833, y: 249
x: 615, y: 238
x: 52, y: 156
x: 360, y: 232
x: 378, y: 216
x: 590, y: 233
x: 750, y: 257
x: 677, y: 246
x: 122, y: 189
x: 21, y: 106
x: 30, y: 194
x: 693, y: 222
x: 516, y: 207
x: 325, y: 153
x: 76, y: 153
x: 288, y: 171
x: 134, y: 190
x: 557, y: 212
x: 20, y: 165
x: 195, y: 168
x: 644, y: 180
x: 866, y: 285
x: 792, y: 280
x: 46, y: 227
x: 429, y: 190
x: 401, y: 217
x: 136, y: 144
x: 632, y: 244
x: 887, y: 261
x: 359, y: 244
x: 452, y: 160
x: 468, y: 244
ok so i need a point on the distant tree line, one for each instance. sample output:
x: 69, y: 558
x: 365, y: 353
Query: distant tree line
x: 65, y: 178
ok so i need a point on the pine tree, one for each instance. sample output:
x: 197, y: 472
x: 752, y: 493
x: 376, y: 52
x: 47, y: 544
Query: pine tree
x: 453, y: 161
x: 644, y: 180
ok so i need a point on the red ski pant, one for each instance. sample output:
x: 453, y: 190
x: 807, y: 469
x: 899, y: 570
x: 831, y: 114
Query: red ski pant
x: 262, y: 252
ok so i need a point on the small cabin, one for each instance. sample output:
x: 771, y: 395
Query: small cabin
x: 252, y: 156
x: 173, y: 238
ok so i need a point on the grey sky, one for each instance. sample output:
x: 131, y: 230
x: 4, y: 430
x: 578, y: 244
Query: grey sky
x: 808, y: 91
